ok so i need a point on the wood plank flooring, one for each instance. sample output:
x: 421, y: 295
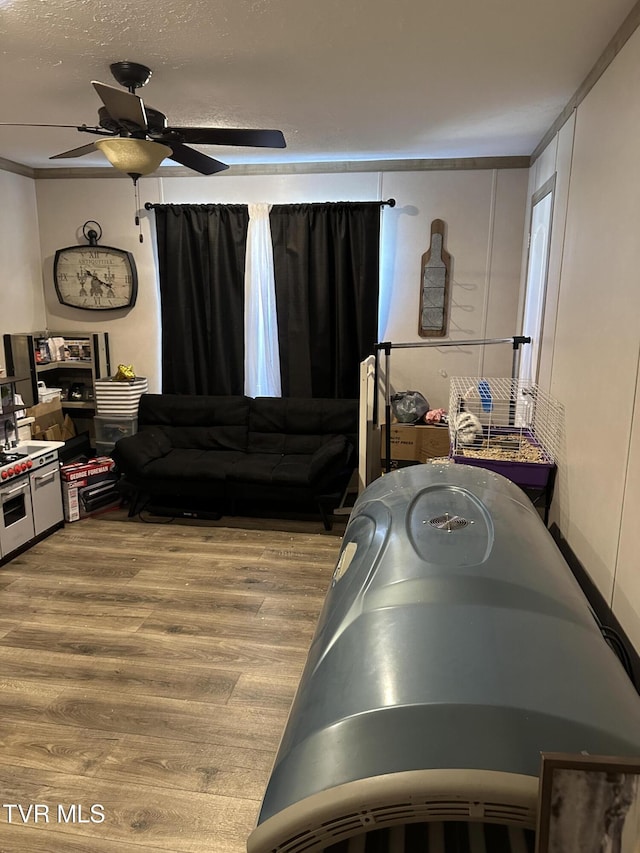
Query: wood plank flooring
x: 147, y: 670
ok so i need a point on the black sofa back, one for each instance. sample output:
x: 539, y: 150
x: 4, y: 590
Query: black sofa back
x: 286, y: 425
x: 198, y: 422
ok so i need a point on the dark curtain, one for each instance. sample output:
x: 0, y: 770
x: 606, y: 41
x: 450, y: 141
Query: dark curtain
x: 326, y: 259
x: 201, y: 255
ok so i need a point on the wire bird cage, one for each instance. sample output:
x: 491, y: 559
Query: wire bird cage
x: 509, y: 425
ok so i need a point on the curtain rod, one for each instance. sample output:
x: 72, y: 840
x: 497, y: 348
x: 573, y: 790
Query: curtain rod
x: 390, y: 202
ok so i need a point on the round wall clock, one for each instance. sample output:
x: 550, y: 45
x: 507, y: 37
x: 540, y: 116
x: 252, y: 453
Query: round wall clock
x: 93, y: 277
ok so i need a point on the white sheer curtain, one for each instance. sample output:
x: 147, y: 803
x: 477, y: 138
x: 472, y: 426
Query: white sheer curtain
x: 261, y: 354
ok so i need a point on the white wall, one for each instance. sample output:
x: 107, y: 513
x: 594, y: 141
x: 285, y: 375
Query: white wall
x: 484, y: 212
x: 21, y: 297
x: 591, y: 347
x: 615, y: 223
x: 484, y: 216
x: 63, y: 208
x: 555, y: 161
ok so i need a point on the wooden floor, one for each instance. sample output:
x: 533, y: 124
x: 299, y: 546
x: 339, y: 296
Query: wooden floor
x: 146, y: 670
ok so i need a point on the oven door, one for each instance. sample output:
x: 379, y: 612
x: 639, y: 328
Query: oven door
x: 46, y: 497
x: 16, y: 517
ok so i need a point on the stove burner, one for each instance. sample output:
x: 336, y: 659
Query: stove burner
x: 8, y: 456
x: 14, y: 464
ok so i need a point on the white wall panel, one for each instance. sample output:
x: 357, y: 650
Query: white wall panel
x: 626, y: 591
x: 63, y: 208
x: 21, y: 298
x: 564, y: 153
x: 626, y: 587
x: 483, y: 212
x: 597, y: 337
x: 273, y: 189
x: 503, y: 286
x: 545, y: 165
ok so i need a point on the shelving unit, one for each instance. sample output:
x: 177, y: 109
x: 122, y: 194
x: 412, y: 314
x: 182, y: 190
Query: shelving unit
x: 8, y: 409
x: 86, y: 359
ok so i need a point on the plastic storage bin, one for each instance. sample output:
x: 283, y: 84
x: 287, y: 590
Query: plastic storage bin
x: 111, y: 428
x: 46, y: 395
x: 104, y: 448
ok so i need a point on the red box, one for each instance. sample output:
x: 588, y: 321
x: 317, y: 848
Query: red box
x: 88, y: 487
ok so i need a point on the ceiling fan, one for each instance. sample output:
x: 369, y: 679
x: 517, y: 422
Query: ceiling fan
x: 138, y: 138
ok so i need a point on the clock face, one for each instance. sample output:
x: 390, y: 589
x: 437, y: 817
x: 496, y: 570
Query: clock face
x: 97, y: 278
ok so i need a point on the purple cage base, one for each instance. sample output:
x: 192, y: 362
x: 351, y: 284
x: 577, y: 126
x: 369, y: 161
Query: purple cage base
x: 531, y: 475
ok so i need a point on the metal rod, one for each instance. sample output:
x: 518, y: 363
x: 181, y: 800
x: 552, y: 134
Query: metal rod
x: 376, y: 381
x: 511, y: 340
x: 514, y: 363
x: 387, y: 410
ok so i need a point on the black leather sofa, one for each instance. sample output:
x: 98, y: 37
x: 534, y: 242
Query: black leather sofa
x: 223, y: 451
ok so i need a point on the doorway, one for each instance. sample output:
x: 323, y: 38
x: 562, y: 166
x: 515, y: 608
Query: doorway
x: 536, y: 283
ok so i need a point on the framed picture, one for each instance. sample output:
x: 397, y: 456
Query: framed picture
x: 588, y: 804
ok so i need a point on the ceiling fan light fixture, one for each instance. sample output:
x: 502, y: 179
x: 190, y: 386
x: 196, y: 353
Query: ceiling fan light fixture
x: 134, y: 156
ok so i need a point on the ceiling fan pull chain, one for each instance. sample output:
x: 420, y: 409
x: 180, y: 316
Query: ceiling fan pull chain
x: 136, y: 192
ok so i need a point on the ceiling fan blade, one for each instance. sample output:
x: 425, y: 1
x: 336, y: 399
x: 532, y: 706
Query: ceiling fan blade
x: 195, y: 160
x: 230, y: 136
x: 70, y: 126
x: 127, y: 109
x: 75, y: 152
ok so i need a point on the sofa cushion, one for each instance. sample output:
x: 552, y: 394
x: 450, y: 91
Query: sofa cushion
x: 330, y: 458
x: 189, y: 464
x: 293, y: 469
x: 134, y: 452
x: 197, y: 422
x: 299, y: 426
x: 272, y: 469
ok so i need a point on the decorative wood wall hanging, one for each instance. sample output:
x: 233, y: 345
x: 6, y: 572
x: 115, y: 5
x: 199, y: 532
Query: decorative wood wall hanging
x: 434, y: 286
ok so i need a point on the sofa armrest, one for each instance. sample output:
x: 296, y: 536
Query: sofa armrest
x: 134, y: 452
x: 330, y: 458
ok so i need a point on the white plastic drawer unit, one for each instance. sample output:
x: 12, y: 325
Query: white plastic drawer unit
x: 454, y: 647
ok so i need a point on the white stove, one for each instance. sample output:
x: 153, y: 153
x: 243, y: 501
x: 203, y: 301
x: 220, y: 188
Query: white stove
x: 30, y: 493
x: 14, y: 464
x: 20, y: 460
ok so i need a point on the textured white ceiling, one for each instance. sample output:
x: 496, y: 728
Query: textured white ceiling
x: 343, y: 79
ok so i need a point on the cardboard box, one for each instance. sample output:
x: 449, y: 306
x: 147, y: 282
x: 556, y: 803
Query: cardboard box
x: 88, y: 487
x: 50, y: 423
x: 416, y: 442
